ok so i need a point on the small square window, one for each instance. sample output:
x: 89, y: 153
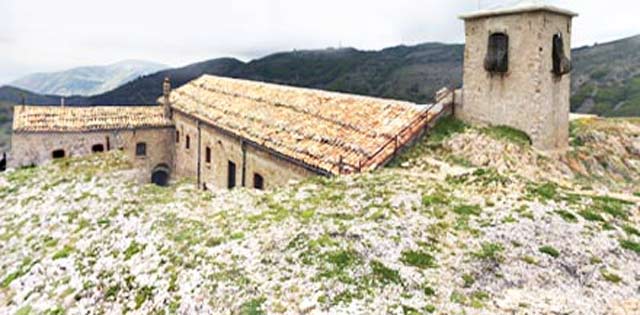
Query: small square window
x: 141, y: 149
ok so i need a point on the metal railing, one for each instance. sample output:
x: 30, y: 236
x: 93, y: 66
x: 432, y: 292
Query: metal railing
x: 422, y: 120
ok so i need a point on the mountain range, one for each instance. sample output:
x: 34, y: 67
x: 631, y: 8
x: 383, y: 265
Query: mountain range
x: 87, y: 80
x: 605, y: 79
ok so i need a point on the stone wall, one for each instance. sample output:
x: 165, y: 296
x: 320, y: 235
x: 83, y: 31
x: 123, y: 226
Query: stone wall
x: 248, y: 159
x: 37, y: 148
x: 529, y: 96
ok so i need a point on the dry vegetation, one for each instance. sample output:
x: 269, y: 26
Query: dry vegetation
x: 448, y: 229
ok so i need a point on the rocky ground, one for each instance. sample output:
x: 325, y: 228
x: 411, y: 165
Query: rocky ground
x: 471, y: 221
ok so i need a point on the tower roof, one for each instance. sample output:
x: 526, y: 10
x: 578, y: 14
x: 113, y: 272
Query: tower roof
x: 523, y: 7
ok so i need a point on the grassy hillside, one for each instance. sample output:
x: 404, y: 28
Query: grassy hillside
x: 444, y: 231
x: 606, y: 80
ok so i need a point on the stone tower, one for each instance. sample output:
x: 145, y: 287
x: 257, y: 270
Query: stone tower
x: 516, y: 72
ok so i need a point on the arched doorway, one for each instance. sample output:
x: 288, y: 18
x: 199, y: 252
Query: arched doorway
x: 58, y: 154
x: 97, y: 148
x: 160, y: 175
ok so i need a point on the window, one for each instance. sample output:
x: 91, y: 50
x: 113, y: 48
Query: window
x: 231, y: 175
x: 187, y: 142
x: 258, y: 181
x: 97, y: 148
x: 497, y: 59
x: 561, y: 64
x: 58, y: 154
x: 177, y: 136
x: 207, y: 155
x: 141, y: 149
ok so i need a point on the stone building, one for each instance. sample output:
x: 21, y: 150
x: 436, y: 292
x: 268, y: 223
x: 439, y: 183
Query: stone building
x: 43, y: 133
x: 516, y: 66
x: 229, y: 133
x: 233, y: 132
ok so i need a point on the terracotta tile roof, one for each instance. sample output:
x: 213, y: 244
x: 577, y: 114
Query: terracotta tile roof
x: 316, y: 127
x: 69, y: 118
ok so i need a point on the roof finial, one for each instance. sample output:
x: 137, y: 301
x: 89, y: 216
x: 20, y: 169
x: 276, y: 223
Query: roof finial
x: 166, y: 87
x: 62, y: 101
x: 166, y: 93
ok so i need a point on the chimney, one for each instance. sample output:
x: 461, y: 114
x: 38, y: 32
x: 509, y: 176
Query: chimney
x: 166, y: 93
x: 62, y: 102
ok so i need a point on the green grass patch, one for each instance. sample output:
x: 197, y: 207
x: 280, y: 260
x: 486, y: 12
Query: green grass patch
x: 591, y: 215
x: 435, y: 200
x: 63, y: 253
x: 630, y: 245
x: 143, y: 295
x: 24, y: 268
x: 546, y: 191
x: 489, y: 251
x: 468, y: 280
x: 610, y: 276
x: 253, y: 307
x: 384, y: 275
x: 133, y: 249
x: 508, y: 133
x: 468, y: 210
x: 446, y: 128
x: 567, y: 216
x: 549, y: 250
x: 418, y: 259
x: 630, y: 230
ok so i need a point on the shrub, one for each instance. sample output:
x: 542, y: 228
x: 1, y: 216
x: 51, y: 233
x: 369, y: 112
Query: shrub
x: 549, y: 251
x: 630, y: 245
x: 418, y: 259
x: 385, y: 275
x: 609, y: 276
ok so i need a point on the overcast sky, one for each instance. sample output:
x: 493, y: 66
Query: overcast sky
x: 45, y: 35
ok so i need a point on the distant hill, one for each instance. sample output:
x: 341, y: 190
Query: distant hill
x: 606, y: 80
x: 91, y: 80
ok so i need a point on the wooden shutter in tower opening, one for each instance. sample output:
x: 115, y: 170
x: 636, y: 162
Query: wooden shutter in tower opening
x: 497, y: 59
x: 561, y: 64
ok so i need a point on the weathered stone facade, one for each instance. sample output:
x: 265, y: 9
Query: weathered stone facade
x: 529, y: 96
x: 228, y: 133
x: 35, y: 148
x: 225, y: 148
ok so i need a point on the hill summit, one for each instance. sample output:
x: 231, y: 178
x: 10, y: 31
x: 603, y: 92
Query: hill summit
x: 89, y: 80
x: 471, y: 220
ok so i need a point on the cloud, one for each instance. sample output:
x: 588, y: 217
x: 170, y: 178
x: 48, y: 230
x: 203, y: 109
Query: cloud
x: 54, y: 35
